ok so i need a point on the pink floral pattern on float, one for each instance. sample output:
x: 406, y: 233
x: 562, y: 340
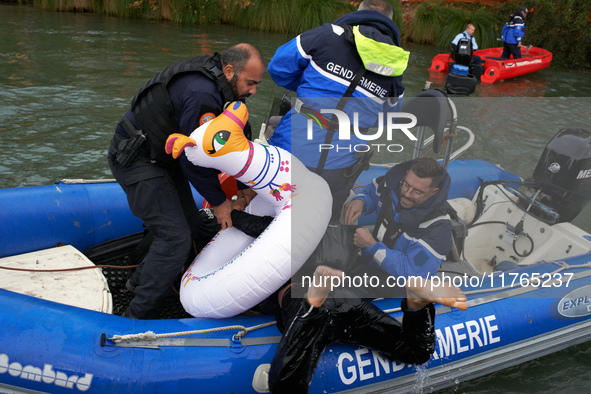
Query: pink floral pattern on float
x: 288, y: 187
x: 284, y: 166
x: 277, y: 194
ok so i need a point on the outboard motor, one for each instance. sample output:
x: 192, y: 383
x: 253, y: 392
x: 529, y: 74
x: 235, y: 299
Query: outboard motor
x: 462, y: 52
x: 564, y: 172
x: 459, y: 81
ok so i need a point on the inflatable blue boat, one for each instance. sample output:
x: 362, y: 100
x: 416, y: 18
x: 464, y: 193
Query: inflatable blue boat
x: 525, y: 268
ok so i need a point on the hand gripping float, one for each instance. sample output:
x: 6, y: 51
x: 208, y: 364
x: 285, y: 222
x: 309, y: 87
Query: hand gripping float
x: 234, y: 272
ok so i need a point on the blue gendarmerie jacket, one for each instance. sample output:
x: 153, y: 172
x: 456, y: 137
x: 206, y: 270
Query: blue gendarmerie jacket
x: 513, y: 30
x: 319, y: 66
x: 426, y: 237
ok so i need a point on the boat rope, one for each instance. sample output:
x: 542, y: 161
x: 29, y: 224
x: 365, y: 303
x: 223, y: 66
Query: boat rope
x: 69, y: 269
x: 150, y: 335
x: 242, y: 330
x: 79, y: 181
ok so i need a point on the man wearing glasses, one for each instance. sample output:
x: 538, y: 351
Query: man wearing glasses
x: 412, y: 234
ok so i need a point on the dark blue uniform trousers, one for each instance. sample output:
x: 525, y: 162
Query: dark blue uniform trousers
x: 162, y: 198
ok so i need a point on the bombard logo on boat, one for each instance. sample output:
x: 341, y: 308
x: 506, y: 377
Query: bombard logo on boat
x: 45, y: 375
x: 453, y: 340
x: 573, y: 305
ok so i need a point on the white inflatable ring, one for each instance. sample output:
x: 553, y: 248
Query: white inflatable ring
x: 235, y: 272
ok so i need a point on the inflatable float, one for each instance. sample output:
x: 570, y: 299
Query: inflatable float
x: 235, y: 272
x: 495, y: 68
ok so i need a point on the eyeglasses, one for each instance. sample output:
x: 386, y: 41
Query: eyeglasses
x: 417, y: 193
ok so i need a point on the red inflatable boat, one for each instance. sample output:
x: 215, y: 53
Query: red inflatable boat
x: 495, y: 68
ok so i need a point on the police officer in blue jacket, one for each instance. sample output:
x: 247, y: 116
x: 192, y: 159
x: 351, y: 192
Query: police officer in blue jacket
x: 412, y: 234
x: 178, y: 99
x: 357, y: 56
x: 512, y: 34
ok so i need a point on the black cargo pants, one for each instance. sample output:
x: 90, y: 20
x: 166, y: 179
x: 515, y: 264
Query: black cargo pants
x: 162, y: 198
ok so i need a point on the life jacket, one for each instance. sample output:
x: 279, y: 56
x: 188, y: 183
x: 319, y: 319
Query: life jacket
x: 153, y: 108
x: 387, y: 229
x: 379, y: 57
x: 462, y: 53
x: 504, y: 32
x: 513, y: 26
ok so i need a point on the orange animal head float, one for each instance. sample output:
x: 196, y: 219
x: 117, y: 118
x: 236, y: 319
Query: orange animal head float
x: 216, y: 138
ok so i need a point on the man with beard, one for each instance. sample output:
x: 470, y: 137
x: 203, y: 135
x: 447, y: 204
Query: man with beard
x: 178, y: 99
x: 412, y: 234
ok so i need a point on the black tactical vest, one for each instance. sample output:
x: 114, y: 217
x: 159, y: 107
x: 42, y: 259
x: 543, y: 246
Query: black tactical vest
x: 153, y: 107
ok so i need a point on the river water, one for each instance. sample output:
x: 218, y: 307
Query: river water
x: 66, y: 79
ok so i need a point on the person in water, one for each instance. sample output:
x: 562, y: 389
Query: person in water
x: 411, y: 236
x: 314, y: 323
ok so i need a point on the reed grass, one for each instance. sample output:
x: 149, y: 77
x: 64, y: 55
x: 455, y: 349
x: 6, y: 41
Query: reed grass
x: 485, y: 32
x: 429, y: 18
x: 397, y: 16
x: 197, y: 12
x: 284, y: 16
x: 437, y: 24
x: 559, y: 26
x: 280, y: 16
x: 264, y: 15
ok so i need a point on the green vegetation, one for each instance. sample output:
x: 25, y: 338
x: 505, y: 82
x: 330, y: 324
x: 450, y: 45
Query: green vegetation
x: 201, y: 12
x: 560, y: 26
x: 437, y: 23
x: 285, y: 16
x: 292, y: 16
x: 280, y: 16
